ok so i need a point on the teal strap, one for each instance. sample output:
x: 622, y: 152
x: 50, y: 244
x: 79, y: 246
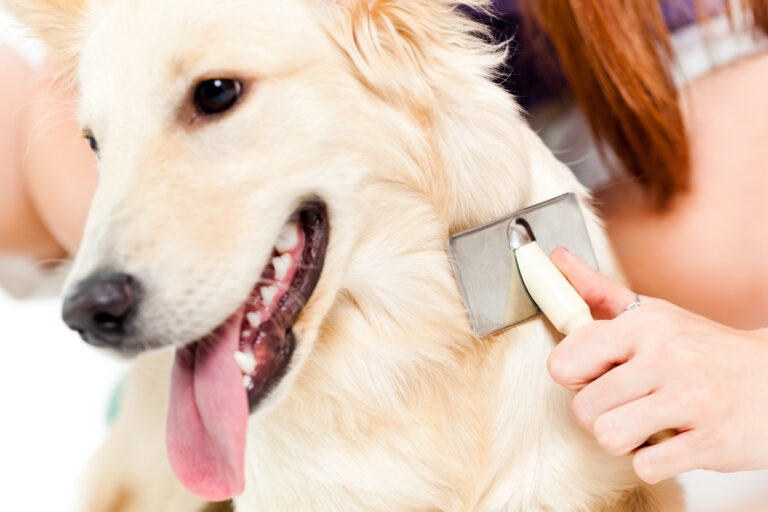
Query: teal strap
x: 113, y: 408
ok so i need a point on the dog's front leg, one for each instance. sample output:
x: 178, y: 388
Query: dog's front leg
x: 131, y: 472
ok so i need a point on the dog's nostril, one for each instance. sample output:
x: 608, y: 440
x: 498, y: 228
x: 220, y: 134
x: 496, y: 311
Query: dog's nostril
x: 107, y: 322
x: 102, y: 308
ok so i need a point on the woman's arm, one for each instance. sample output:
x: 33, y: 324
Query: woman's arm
x: 47, y: 173
x: 21, y: 228
x: 60, y: 169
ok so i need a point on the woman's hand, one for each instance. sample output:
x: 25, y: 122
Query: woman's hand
x: 658, y: 367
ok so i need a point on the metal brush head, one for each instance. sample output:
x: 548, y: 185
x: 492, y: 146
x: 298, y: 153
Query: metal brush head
x: 484, y: 262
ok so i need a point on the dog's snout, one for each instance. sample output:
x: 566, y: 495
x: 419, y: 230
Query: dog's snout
x: 101, y: 309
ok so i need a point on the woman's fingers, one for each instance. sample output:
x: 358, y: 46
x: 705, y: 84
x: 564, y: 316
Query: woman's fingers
x: 617, y: 395
x: 594, y: 349
x: 617, y: 387
x: 659, y: 462
x: 622, y: 430
x: 607, y: 298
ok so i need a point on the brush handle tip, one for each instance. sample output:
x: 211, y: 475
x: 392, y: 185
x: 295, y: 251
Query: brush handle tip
x: 550, y: 290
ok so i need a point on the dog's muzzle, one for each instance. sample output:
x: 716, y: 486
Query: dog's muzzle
x: 102, y: 308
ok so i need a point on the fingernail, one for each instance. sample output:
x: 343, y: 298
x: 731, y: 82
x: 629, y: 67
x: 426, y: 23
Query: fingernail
x: 559, y: 249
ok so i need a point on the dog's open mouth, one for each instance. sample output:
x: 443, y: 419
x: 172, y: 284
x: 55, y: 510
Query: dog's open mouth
x: 218, y: 380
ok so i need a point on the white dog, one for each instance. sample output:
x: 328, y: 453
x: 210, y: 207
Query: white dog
x: 278, y: 182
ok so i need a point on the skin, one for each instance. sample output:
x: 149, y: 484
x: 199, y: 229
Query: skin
x: 22, y: 230
x: 59, y: 169
x: 49, y: 176
x: 657, y: 367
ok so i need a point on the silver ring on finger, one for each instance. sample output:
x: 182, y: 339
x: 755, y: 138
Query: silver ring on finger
x: 635, y: 304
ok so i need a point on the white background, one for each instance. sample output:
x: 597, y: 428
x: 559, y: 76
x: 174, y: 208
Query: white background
x: 54, y: 391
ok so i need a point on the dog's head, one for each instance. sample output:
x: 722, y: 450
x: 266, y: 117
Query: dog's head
x: 236, y: 141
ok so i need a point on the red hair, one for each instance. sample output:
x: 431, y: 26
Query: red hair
x: 616, y: 56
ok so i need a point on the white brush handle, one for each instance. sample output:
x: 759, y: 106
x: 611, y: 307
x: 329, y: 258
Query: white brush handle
x: 550, y: 290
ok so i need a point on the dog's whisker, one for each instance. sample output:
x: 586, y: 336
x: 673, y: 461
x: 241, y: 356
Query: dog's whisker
x: 54, y: 112
x: 30, y: 103
x: 40, y: 135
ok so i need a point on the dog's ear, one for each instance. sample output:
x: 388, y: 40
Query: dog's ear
x: 402, y: 47
x: 58, y: 23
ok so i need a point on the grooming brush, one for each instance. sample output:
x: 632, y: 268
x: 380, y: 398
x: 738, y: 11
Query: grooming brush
x: 505, y: 276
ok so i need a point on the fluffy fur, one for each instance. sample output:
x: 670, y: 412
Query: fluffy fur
x: 387, y: 111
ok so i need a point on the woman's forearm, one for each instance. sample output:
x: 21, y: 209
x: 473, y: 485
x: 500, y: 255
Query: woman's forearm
x: 59, y: 169
x: 47, y: 173
x: 22, y: 231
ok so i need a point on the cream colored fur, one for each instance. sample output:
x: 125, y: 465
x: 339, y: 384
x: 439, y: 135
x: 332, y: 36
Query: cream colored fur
x: 385, y: 109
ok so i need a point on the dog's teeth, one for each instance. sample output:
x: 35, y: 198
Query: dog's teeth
x: 288, y: 238
x: 247, y: 382
x: 246, y: 362
x: 246, y: 334
x: 254, y: 319
x: 282, y: 264
x: 268, y: 294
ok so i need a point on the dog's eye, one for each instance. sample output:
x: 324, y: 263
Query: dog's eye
x: 216, y: 96
x: 92, y: 142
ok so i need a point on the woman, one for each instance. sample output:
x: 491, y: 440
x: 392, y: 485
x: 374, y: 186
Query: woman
x: 615, y: 56
x: 691, y: 228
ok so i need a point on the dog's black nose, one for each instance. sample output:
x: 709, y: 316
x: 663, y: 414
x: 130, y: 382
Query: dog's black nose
x: 101, y: 309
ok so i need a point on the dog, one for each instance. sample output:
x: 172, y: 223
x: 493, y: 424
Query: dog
x: 278, y: 183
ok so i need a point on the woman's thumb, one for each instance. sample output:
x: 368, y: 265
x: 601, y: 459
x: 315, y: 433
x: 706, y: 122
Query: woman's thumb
x: 606, y: 298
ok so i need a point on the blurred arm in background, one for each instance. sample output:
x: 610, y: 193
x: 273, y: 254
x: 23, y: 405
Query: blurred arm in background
x: 47, y: 172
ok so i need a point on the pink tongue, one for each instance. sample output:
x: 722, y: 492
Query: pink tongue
x: 207, y: 417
